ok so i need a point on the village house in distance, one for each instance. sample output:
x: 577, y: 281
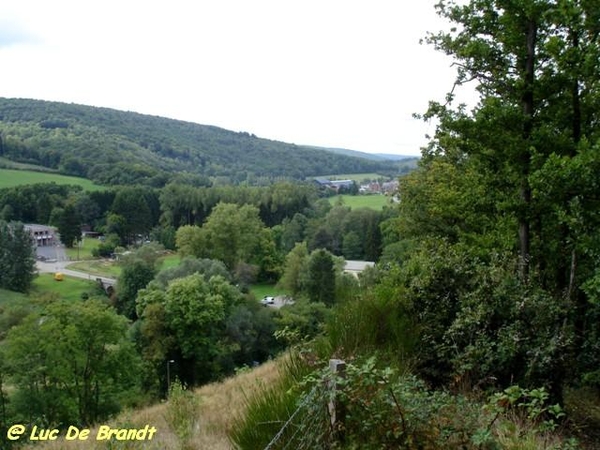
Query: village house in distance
x: 374, y: 187
x: 41, y: 235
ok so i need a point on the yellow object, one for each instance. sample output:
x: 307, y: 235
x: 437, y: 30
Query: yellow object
x: 58, y: 276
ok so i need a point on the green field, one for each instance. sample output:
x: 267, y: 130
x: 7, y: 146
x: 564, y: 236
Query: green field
x: 375, y: 201
x: 69, y: 289
x: 97, y: 267
x: 8, y: 298
x: 110, y: 268
x: 171, y: 260
x: 262, y: 290
x: 11, y: 177
x: 358, y: 177
x: 84, y: 251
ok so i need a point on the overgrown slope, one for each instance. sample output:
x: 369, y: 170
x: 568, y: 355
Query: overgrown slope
x: 116, y: 147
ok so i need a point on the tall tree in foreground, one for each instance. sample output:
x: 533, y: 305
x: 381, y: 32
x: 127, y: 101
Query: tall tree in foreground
x: 71, y: 363
x: 511, y: 187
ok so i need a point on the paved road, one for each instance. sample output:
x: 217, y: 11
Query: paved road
x: 61, y: 266
x: 54, y: 252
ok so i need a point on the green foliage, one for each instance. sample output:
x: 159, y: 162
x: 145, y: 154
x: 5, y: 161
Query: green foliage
x: 268, y: 407
x: 70, y: 364
x: 202, y: 322
x: 135, y: 275
x: 69, y: 226
x: 107, y: 248
x: 321, y: 278
x: 533, y: 403
x: 232, y: 233
x: 295, y: 274
x: 17, y: 261
x: 131, y: 214
x: 301, y: 322
x: 377, y: 408
x: 35, y: 203
x: 495, y: 232
x: 182, y: 412
x: 375, y: 323
x: 188, y: 266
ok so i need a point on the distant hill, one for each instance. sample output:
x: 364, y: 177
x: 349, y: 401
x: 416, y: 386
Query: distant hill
x: 117, y: 147
x: 371, y: 156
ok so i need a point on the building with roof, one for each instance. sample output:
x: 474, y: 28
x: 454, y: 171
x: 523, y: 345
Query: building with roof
x: 356, y: 267
x: 41, y: 235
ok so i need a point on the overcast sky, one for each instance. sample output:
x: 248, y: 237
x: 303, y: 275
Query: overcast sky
x: 318, y: 72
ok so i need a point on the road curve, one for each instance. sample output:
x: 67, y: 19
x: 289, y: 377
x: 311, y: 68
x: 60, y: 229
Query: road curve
x: 61, y: 266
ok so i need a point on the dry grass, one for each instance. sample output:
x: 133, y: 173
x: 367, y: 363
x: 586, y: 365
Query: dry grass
x: 218, y: 405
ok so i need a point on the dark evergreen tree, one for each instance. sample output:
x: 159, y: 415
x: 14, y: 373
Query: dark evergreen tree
x: 69, y: 226
x: 321, y: 284
x: 17, y: 261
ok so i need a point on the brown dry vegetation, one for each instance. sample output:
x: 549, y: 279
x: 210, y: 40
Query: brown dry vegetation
x: 218, y: 404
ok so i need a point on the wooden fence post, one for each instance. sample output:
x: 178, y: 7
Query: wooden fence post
x: 336, y: 409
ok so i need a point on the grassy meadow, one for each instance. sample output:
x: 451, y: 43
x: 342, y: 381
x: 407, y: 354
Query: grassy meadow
x: 12, y: 177
x: 8, y: 298
x: 358, y: 177
x: 108, y: 268
x: 97, y: 267
x: 84, y: 251
x: 262, y: 290
x: 375, y: 201
x: 171, y: 260
x: 70, y: 288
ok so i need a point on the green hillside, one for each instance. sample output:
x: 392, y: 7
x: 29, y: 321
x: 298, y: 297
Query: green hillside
x: 116, y: 147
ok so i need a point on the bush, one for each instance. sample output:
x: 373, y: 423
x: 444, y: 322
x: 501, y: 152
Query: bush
x: 182, y: 412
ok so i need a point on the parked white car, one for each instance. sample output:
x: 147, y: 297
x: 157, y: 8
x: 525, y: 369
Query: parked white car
x: 268, y: 301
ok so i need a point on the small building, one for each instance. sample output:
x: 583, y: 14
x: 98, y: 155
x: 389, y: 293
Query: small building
x: 338, y: 184
x: 356, y: 267
x: 41, y: 235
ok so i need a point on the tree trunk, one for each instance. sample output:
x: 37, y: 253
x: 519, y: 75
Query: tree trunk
x: 528, y: 112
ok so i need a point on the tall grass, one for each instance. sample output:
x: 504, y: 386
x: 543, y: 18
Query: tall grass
x: 269, y: 407
x: 373, y: 323
x: 204, y: 419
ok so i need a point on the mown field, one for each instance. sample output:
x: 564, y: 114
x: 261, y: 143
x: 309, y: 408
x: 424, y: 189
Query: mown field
x: 84, y: 250
x: 375, y: 201
x: 358, y: 177
x: 70, y: 288
x: 12, y: 177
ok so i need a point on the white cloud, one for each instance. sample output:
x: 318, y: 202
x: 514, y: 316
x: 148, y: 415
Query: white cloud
x: 331, y: 73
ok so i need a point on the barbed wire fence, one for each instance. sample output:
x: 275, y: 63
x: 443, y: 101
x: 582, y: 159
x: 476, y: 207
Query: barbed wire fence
x: 314, y: 423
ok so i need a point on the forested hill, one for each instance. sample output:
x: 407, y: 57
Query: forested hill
x: 116, y: 147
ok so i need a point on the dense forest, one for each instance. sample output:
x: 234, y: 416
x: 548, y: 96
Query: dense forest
x: 114, y: 147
